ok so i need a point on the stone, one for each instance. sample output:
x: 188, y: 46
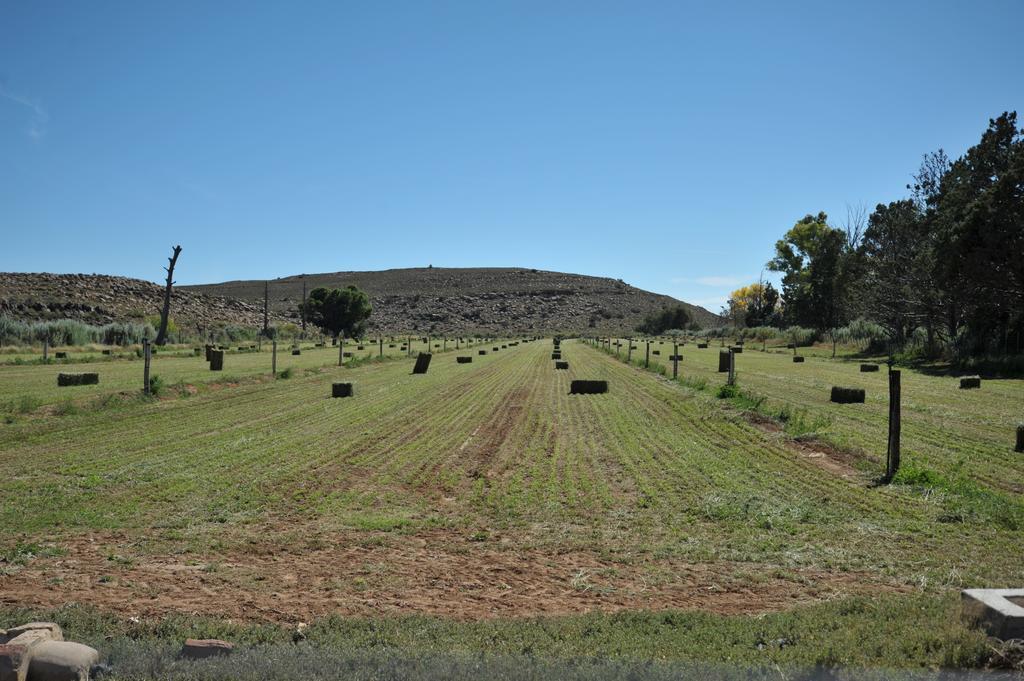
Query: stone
x: 199, y: 649
x: 1000, y: 612
x: 13, y: 662
x: 61, y: 661
x: 342, y: 390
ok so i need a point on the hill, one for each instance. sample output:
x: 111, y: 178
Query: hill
x: 442, y: 300
x: 100, y: 299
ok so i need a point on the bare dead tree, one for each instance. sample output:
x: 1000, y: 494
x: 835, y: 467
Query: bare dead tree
x: 161, y: 335
x: 855, y: 224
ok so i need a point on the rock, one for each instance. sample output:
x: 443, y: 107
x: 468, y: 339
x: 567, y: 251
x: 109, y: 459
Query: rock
x: 199, y: 649
x: 61, y: 661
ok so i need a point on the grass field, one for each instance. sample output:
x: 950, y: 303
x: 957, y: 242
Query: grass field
x: 26, y: 387
x: 485, y: 491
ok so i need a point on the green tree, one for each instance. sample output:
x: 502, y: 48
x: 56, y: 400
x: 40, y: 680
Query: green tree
x: 338, y: 311
x: 812, y: 259
x: 676, y: 317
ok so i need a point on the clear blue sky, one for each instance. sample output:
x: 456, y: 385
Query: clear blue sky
x: 667, y: 144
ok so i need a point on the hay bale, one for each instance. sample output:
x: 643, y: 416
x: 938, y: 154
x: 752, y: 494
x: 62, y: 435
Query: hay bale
x: 723, y: 361
x: 503, y: 347
x: 847, y: 395
x: 106, y: 352
x: 494, y: 349
x: 556, y: 355
x: 391, y: 345
x: 868, y: 368
x: 790, y: 346
x: 209, y: 349
x: 242, y: 348
x: 422, y: 363
x: 64, y: 380
x: 798, y: 359
x: 737, y: 349
x: 675, y: 358
x: 561, y: 365
x: 970, y: 382
x: 296, y: 351
x: 64, y: 355
x: 586, y: 387
x: 655, y: 352
x: 197, y: 351
x: 342, y: 390
x: 702, y: 346
x: 1020, y: 439
x: 464, y: 359
x: 216, y: 360
x: 360, y: 347
x: 346, y: 354
x: 481, y: 352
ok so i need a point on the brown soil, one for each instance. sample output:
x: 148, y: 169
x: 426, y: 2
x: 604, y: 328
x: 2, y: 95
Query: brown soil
x: 835, y: 460
x: 437, y: 572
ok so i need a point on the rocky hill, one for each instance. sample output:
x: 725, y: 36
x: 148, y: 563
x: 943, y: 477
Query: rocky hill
x: 426, y: 300
x: 100, y: 299
x: 443, y: 300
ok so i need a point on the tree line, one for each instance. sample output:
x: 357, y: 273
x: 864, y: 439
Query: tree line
x: 944, y: 265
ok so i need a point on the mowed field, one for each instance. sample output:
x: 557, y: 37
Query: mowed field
x: 35, y: 385
x: 486, y: 490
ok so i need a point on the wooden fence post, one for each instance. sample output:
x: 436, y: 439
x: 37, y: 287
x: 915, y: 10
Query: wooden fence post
x: 629, y: 351
x: 146, y: 354
x: 675, y: 361
x: 892, y: 459
x: 46, y: 350
x: 732, y: 367
x: 273, y: 358
x: 380, y: 342
x: 647, y: 357
x: 341, y: 350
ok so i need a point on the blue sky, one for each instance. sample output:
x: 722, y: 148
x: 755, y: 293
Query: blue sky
x: 667, y: 144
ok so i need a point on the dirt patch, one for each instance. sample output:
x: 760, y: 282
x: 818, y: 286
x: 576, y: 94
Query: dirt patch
x: 837, y: 461
x: 440, y: 572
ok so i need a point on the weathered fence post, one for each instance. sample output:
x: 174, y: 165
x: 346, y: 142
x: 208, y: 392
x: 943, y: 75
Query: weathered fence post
x: 892, y: 459
x: 675, y: 361
x: 732, y: 367
x: 629, y: 350
x: 380, y: 342
x: 408, y: 346
x: 46, y: 350
x: 341, y: 349
x: 273, y: 358
x: 647, y: 357
x: 146, y: 354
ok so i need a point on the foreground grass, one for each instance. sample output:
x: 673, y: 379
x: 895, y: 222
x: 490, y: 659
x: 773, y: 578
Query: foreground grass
x: 910, y: 632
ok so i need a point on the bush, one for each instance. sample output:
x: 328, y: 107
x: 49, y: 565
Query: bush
x: 156, y: 386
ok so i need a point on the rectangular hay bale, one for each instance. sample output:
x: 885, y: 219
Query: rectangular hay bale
x: 868, y: 368
x: 842, y: 395
x: 422, y: 363
x: 342, y: 389
x: 216, y: 360
x: 588, y: 387
x: 64, y: 379
x: 464, y: 359
x: 562, y: 364
x: 970, y: 382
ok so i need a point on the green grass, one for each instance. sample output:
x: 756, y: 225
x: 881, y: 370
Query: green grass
x: 657, y: 492
x: 855, y: 634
